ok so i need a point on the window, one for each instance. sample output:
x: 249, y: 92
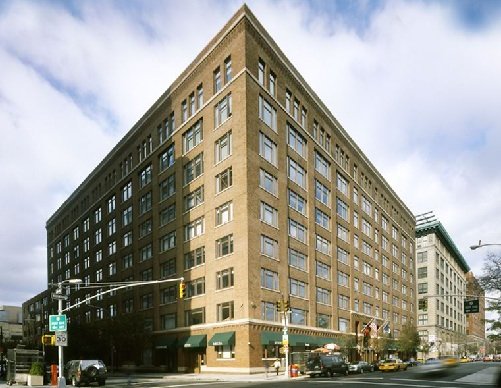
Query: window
x: 168, y: 268
x: 343, y: 302
x: 296, y: 141
x: 194, y: 229
x: 273, y: 83
x: 192, y: 104
x: 366, y: 227
x: 224, y: 180
x: 342, y: 209
x: 224, y: 246
x: 422, y: 288
x: 127, y: 239
x: 268, y: 182
x: 269, y: 214
x: 288, y: 99
x: 222, y: 111
x: 342, y: 255
x: 269, y: 279
x: 196, y: 287
x: 168, y: 241
x: 304, y: 118
x: 323, y: 296
x: 184, y: 111
x: 344, y: 325
x: 167, y: 158
x: 322, y: 245
x: 268, y: 149
x: 194, y: 258
x: 322, y: 166
x: 227, y: 70
x: 147, y: 275
x: 200, y: 96
x: 296, y: 173
x: 193, y: 136
x: 224, y: 213
x: 267, y: 113
x: 322, y: 193
x: 297, y: 231
x: 97, y: 218
x: 295, y: 112
x: 168, y: 321
x: 193, y: 199
x: 194, y: 168
x: 217, y: 80
x: 146, y: 252
x: 260, y: 71
x: 194, y: 317
x: 127, y: 192
x: 225, y: 311
x: 269, y: 311
x: 299, y: 317
x: 297, y: 259
x: 343, y: 279
x: 297, y: 288
x: 342, y: 233
x: 297, y: 202
x: 323, y: 270
x: 168, y: 214
x: 111, y: 208
x: 145, y: 203
x: 98, y: 236
x: 322, y: 219
x: 127, y: 261
x: 168, y: 187
x: 225, y: 278
x: 366, y: 206
x: 269, y: 247
x: 112, y: 248
x: 222, y: 147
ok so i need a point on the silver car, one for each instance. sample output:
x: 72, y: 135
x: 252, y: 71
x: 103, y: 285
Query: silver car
x: 360, y: 367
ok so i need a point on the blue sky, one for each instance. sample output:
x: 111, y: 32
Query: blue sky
x: 415, y: 83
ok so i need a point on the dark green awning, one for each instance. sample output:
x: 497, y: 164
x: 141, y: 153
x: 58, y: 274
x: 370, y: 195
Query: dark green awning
x: 165, y: 342
x: 194, y: 341
x: 302, y: 340
x: 271, y: 338
x: 223, y: 339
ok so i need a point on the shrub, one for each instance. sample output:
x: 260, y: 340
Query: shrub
x: 37, y: 369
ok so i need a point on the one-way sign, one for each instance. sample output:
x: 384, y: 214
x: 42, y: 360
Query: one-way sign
x: 471, y: 306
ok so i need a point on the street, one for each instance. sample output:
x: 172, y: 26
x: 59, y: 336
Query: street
x: 464, y: 375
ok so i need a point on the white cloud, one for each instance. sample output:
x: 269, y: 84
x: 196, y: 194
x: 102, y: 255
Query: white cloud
x: 416, y: 90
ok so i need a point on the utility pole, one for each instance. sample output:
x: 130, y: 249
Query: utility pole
x: 283, y: 307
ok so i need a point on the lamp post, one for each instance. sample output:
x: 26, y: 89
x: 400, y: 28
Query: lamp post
x: 61, y: 381
x: 480, y: 245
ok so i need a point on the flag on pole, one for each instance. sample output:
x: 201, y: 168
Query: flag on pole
x: 386, y: 327
x: 373, y: 327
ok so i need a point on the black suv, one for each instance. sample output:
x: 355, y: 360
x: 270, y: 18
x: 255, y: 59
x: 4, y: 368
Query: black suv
x: 84, y: 372
x: 326, y: 364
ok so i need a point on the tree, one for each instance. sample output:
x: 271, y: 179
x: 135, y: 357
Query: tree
x: 491, y: 282
x: 408, y: 341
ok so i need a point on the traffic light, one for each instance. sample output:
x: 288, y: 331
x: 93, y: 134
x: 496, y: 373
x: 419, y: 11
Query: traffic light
x: 49, y: 340
x: 182, y: 290
x: 280, y: 305
x: 287, y: 306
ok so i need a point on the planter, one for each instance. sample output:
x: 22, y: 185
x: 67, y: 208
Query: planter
x: 34, y: 380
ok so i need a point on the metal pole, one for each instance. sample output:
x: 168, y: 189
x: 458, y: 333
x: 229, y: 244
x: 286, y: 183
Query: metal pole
x: 61, y: 381
x: 287, y: 348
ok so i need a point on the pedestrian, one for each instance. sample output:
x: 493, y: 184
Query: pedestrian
x: 276, y: 365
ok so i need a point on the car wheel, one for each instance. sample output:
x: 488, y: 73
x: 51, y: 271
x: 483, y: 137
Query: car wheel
x: 372, y: 369
x: 361, y: 370
x: 92, y: 371
x: 346, y: 372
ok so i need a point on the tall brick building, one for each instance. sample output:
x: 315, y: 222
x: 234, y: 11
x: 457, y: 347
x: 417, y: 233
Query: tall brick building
x: 240, y: 180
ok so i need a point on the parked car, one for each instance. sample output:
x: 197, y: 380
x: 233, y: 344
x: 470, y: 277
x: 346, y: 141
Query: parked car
x: 392, y: 365
x: 325, y: 364
x: 360, y: 367
x: 84, y: 372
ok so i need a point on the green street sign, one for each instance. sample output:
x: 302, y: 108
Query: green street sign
x: 57, y: 323
x: 471, y: 306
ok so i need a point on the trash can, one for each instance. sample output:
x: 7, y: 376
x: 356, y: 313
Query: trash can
x: 294, y: 370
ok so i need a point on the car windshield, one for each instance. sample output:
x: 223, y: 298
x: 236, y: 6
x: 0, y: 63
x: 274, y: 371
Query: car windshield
x: 388, y: 361
x: 86, y: 363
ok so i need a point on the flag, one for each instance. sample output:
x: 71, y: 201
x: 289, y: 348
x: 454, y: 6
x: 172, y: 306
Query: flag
x: 386, y: 328
x: 373, y: 327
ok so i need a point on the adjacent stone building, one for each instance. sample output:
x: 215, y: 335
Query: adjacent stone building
x: 240, y: 180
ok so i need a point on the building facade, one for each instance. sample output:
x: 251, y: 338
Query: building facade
x: 11, y: 323
x: 441, y: 290
x: 241, y: 181
x: 475, y: 323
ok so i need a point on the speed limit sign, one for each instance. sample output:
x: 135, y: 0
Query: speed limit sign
x: 61, y: 338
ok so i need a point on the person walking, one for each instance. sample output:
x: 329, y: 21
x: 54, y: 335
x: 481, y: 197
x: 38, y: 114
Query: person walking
x: 276, y: 365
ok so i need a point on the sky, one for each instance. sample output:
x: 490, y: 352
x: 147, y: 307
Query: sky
x: 416, y: 84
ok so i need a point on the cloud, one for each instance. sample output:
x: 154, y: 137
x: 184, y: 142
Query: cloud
x: 414, y: 84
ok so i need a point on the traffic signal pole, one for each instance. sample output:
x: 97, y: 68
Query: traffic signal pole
x: 61, y: 380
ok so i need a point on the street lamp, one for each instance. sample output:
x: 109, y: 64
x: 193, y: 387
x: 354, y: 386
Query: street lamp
x: 61, y: 381
x: 480, y: 245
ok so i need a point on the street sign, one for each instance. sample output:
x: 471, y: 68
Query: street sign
x: 57, y: 322
x: 285, y: 339
x: 471, y: 306
x: 59, y: 296
x: 61, y: 338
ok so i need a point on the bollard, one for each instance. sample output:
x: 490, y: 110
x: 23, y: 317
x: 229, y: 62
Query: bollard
x: 53, y: 374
